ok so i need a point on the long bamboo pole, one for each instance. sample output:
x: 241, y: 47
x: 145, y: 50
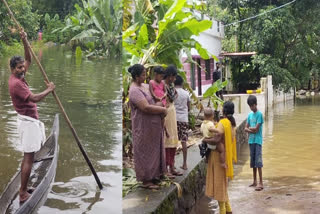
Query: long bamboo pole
x: 58, y: 101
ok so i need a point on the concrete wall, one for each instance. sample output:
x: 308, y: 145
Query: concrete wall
x: 240, y: 102
x: 280, y: 96
x: 266, y: 99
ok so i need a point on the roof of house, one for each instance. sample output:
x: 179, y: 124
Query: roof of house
x: 238, y: 54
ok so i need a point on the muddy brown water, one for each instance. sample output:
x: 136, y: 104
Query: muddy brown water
x: 90, y: 91
x: 291, y: 158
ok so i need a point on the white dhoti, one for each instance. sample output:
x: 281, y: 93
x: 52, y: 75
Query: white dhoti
x: 31, y: 133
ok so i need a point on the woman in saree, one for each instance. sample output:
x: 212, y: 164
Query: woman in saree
x: 217, y: 176
x: 147, y: 130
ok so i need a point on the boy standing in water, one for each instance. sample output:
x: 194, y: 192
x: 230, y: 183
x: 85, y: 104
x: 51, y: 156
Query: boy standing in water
x: 30, y: 129
x: 254, y: 128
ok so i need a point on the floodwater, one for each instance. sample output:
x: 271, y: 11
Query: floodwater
x: 291, y: 158
x: 90, y: 92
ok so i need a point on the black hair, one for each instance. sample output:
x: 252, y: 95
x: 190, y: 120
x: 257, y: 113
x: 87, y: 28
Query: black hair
x: 15, y: 60
x: 252, y: 100
x: 171, y: 70
x: 228, y: 111
x: 179, y: 80
x: 136, y: 70
x: 158, y: 70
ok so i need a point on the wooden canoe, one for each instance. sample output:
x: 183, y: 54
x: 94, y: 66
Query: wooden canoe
x: 42, y: 175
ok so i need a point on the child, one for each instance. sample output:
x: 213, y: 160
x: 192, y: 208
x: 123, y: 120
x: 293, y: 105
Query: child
x: 182, y: 105
x: 208, y: 130
x: 158, y: 90
x: 254, y: 128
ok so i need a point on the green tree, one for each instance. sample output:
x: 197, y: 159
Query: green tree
x: 286, y: 39
x: 53, y: 7
x: 22, y: 10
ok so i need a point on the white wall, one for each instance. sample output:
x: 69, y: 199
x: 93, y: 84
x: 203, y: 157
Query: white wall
x: 210, y: 39
x: 266, y: 99
x: 240, y: 102
x: 280, y: 96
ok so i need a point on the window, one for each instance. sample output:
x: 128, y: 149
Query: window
x: 218, y: 25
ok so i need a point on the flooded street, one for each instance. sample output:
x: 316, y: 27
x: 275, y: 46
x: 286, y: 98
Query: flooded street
x: 291, y: 172
x: 90, y: 92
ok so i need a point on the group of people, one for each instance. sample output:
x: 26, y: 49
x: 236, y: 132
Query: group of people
x: 159, y: 115
x: 220, y: 137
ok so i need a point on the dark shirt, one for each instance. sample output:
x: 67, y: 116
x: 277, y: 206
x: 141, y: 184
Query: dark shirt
x: 216, y: 75
x: 20, y: 92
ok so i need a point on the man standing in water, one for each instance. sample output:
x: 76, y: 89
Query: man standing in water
x: 30, y: 129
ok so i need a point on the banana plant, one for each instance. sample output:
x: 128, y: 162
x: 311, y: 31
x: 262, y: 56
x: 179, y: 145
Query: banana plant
x: 211, y: 93
x: 157, y: 34
x: 174, y: 31
x: 97, y: 26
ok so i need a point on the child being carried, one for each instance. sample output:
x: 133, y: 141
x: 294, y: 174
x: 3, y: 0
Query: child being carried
x: 158, y: 90
x: 208, y: 129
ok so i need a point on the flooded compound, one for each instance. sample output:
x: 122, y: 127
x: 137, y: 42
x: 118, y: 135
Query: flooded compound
x: 291, y: 171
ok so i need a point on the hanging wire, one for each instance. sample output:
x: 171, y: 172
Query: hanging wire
x: 253, y: 17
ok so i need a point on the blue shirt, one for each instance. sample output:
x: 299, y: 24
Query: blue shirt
x: 252, y: 120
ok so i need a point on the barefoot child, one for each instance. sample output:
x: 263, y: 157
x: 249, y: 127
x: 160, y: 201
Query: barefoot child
x: 182, y: 105
x: 208, y: 130
x: 158, y: 91
x: 254, y: 128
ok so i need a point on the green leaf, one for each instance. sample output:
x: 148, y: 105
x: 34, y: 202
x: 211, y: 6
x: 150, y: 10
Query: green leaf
x: 195, y: 26
x: 175, y: 7
x: 202, y: 52
x: 130, y: 31
x: 143, y: 36
x: 75, y: 20
x: 96, y: 22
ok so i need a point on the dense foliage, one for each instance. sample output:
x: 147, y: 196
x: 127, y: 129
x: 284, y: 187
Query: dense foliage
x: 23, y: 13
x: 93, y: 25
x: 286, y: 39
x: 96, y: 27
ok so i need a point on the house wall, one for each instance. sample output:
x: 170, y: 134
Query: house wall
x: 211, y: 41
x: 205, y: 83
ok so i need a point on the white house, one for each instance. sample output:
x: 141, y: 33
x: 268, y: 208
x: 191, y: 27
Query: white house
x: 211, y: 40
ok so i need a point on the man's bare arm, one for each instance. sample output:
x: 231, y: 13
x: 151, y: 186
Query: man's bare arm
x: 38, y: 97
x: 27, y: 54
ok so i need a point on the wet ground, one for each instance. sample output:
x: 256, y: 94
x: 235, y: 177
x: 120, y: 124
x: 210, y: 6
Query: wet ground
x: 291, y: 172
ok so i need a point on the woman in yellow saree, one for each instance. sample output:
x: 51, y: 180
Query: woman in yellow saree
x: 217, y: 176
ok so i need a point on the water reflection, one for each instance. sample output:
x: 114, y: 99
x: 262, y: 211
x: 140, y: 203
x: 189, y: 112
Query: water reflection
x: 291, y: 152
x: 90, y: 93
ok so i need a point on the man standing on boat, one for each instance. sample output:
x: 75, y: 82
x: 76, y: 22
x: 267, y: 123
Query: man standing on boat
x: 30, y: 129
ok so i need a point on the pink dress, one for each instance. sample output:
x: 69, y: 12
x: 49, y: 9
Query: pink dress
x: 158, y: 90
